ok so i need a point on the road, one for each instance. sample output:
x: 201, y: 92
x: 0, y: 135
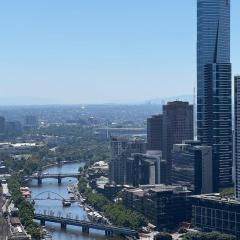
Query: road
x: 3, y: 223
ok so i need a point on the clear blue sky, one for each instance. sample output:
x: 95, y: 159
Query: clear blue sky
x: 94, y: 51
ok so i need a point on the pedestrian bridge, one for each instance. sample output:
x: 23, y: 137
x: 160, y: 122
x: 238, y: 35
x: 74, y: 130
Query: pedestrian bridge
x: 110, y: 230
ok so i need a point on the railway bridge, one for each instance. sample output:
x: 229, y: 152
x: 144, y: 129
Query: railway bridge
x: 110, y: 230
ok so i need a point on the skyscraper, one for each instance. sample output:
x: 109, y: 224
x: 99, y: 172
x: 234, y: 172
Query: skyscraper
x: 155, y: 132
x: 214, y: 109
x: 237, y: 134
x: 177, y: 126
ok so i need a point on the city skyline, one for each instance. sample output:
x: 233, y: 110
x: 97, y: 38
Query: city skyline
x: 111, y: 142
x: 56, y: 53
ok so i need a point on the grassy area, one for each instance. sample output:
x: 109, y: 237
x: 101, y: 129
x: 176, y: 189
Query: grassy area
x: 228, y: 192
x: 208, y: 236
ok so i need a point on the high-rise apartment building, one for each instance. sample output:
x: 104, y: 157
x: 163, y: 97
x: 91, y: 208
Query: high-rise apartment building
x: 237, y: 135
x: 155, y: 132
x: 214, y: 107
x: 177, y: 126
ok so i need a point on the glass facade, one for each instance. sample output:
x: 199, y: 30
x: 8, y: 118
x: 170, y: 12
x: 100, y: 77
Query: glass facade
x: 213, y: 213
x: 214, y: 103
x: 237, y: 134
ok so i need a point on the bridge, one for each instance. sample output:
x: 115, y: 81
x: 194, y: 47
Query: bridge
x: 110, y: 230
x: 59, y: 177
x: 49, y: 195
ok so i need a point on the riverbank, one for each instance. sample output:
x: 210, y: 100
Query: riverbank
x: 93, y: 214
x: 114, y: 211
x: 26, y: 210
x: 62, y: 163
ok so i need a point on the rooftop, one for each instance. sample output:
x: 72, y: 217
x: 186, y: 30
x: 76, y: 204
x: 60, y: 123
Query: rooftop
x: 143, y: 189
x: 216, y: 197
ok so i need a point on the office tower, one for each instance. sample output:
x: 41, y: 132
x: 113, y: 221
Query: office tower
x: 192, y: 166
x: 2, y: 124
x: 214, y: 113
x: 143, y: 169
x: 237, y: 135
x: 155, y: 132
x: 121, y: 149
x: 177, y: 126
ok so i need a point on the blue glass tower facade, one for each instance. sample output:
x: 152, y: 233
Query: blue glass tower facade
x: 237, y: 134
x: 214, y: 103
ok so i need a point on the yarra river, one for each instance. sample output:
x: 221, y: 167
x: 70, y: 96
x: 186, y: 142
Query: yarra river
x: 51, y: 185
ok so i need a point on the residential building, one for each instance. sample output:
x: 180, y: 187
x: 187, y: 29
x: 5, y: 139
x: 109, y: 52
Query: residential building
x: 192, y: 166
x: 214, y: 106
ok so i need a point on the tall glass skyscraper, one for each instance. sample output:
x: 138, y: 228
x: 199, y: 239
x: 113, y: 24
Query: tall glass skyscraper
x: 237, y: 134
x: 214, y: 103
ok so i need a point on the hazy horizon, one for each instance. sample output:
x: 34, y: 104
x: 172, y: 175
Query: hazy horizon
x: 35, y: 101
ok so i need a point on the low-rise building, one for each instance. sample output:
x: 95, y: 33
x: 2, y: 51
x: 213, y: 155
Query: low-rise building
x: 19, y: 148
x: 163, y: 205
x: 110, y: 191
x: 212, y: 212
x: 98, y: 170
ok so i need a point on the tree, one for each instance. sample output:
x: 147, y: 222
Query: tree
x: 208, y: 236
x: 163, y: 236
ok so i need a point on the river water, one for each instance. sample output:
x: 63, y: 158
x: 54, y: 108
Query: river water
x: 47, y: 205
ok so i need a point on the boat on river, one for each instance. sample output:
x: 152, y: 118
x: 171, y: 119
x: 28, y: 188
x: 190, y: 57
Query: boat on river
x: 46, y: 234
x: 66, y: 203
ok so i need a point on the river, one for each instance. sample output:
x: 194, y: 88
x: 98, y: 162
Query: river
x: 51, y: 185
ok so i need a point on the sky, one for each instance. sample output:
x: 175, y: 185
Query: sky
x: 100, y: 51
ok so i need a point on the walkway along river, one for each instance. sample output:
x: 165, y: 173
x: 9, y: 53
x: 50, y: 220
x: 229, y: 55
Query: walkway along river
x: 47, y: 205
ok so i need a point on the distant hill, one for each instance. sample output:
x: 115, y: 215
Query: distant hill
x: 19, y: 101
